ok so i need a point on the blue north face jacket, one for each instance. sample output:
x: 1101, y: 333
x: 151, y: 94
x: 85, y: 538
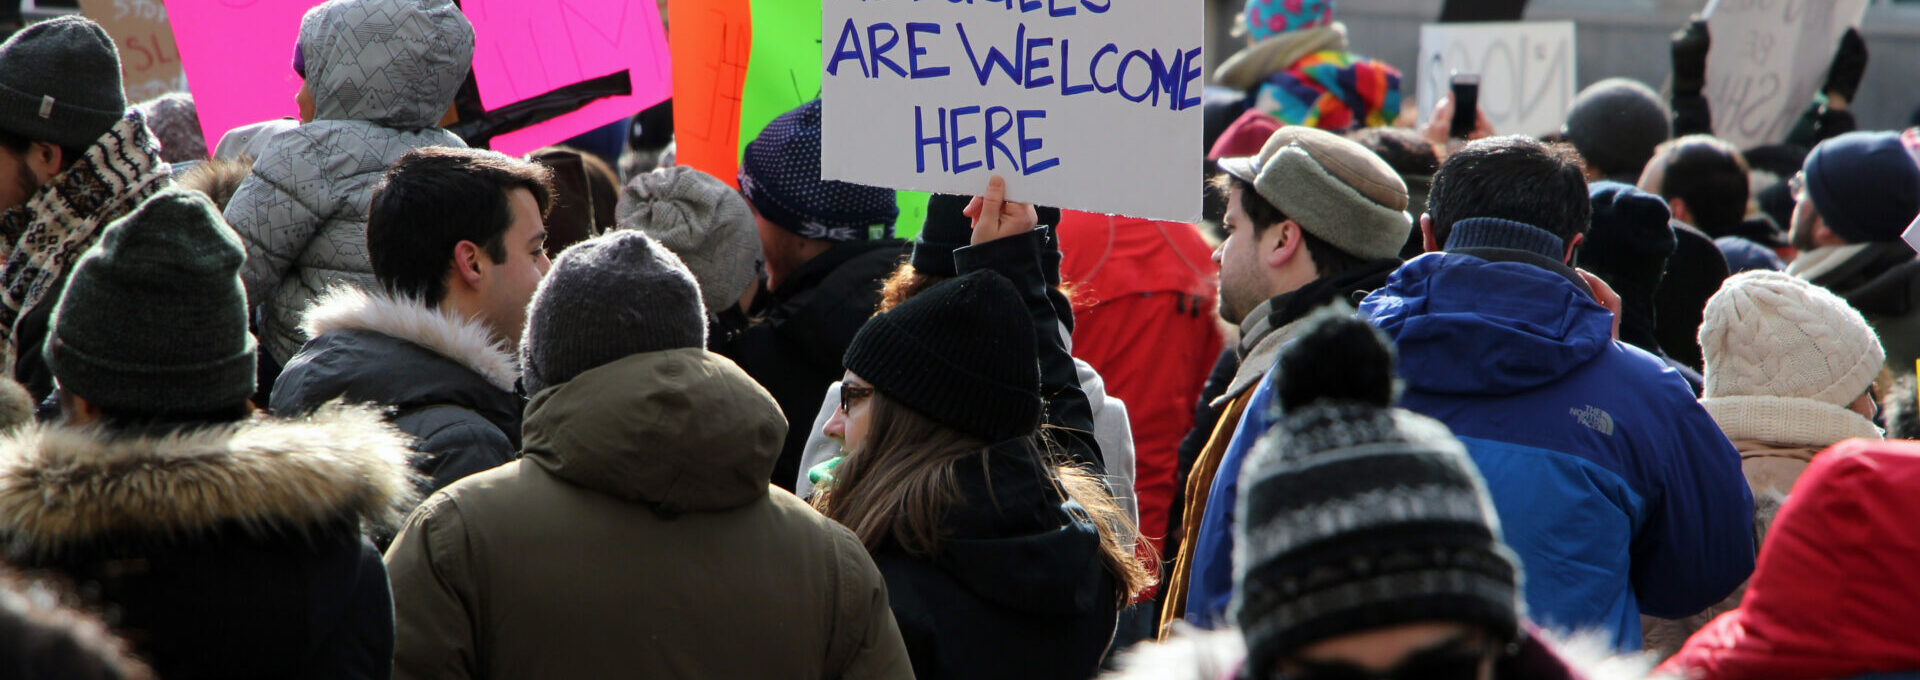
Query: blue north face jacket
x: 1616, y: 489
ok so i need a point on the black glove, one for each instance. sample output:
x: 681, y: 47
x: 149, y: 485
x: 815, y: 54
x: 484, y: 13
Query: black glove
x: 1690, y: 58
x: 1849, y: 66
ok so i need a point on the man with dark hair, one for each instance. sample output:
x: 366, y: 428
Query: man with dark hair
x: 224, y: 544
x: 1705, y: 181
x: 1856, y: 195
x: 828, y: 246
x: 1615, y: 487
x: 1313, y: 219
x: 73, y: 157
x: 457, y: 241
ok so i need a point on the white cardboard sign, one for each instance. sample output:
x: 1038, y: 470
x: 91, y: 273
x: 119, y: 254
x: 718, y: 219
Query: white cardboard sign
x: 1768, y: 60
x: 1525, y: 69
x: 1084, y: 104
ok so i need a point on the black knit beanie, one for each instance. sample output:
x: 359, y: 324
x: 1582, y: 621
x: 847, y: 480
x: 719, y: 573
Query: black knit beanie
x: 154, y: 318
x: 962, y: 353
x: 60, y: 82
x: 1628, y: 247
x: 1353, y: 515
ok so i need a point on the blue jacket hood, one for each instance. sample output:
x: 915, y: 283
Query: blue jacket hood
x: 1541, y: 324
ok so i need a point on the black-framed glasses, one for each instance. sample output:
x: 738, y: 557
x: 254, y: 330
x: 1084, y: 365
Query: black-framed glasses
x: 850, y: 393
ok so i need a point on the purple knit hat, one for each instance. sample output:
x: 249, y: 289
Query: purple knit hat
x: 1267, y: 18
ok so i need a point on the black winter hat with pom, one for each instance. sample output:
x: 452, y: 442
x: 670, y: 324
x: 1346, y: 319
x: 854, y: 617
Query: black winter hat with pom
x: 962, y: 353
x: 1354, y: 515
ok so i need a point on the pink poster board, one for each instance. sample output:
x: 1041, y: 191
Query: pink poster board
x: 525, y: 48
x: 238, y: 57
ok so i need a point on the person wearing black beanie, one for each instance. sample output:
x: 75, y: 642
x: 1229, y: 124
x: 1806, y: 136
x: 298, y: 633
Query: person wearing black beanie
x: 1629, y: 246
x: 999, y: 562
x: 1854, y: 197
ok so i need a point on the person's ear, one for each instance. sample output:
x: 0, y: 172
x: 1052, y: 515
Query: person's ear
x: 1573, y: 246
x: 1678, y: 207
x: 468, y: 263
x: 1428, y: 242
x: 1287, y: 245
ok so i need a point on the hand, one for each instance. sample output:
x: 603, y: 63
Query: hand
x: 995, y: 217
x: 1437, y: 128
x: 1690, y: 47
x: 1603, y: 294
x: 1849, y: 66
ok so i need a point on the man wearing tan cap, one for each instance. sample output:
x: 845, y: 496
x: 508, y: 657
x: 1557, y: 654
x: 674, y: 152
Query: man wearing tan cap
x: 1312, y: 219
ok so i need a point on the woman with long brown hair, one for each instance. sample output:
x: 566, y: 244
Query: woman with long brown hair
x: 1004, y: 554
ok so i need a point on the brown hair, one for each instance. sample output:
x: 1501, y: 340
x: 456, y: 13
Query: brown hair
x: 901, y: 483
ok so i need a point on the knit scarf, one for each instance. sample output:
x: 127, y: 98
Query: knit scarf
x: 43, y: 237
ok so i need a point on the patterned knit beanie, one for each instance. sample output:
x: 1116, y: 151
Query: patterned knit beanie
x: 1784, y: 359
x: 780, y: 175
x: 1332, y: 90
x: 1264, y: 19
x: 607, y: 298
x: 1354, y: 515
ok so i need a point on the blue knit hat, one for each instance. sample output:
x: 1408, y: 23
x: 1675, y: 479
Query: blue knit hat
x: 781, y: 178
x: 1864, y: 185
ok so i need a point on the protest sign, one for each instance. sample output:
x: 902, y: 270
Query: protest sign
x: 1525, y: 69
x: 149, y: 61
x: 738, y: 64
x: 1768, y: 60
x: 1085, y: 104
x: 238, y: 57
x: 525, y: 48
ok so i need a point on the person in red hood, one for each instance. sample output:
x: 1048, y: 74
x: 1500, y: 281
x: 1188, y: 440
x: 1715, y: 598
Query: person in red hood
x: 1832, y: 595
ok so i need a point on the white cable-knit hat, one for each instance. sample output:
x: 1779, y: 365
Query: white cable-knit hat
x: 1785, y: 359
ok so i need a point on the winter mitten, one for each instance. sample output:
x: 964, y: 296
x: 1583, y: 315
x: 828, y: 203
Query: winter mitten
x: 1849, y: 66
x: 1690, y: 58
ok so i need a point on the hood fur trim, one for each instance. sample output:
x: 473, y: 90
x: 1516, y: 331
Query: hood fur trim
x: 463, y: 340
x: 1189, y: 653
x: 60, y: 485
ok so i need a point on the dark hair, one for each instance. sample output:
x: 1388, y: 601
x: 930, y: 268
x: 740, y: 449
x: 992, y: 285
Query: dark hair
x: 1327, y: 259
x: 1711, y: 176
x: 1404, y: 150
x: 123, y: 423
x: 18, y: 144
x: 44, y: 633
x: 432, y: 199
x: 1514, y: 178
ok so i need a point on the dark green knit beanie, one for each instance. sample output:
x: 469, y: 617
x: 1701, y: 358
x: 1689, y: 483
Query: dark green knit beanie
x: 154, y: 318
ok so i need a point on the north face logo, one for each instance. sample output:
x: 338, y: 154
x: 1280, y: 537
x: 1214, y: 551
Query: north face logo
x: 1599, y: 420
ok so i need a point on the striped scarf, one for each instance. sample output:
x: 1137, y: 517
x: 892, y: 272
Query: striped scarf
x: 1333, y: 90
x: 44, y: 236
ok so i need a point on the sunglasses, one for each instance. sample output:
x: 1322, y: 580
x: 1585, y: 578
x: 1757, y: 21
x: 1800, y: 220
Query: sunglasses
x: 850, y: 394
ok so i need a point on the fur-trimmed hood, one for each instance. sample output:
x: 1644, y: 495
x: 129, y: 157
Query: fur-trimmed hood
x: 1193, y: 654
x: 465, y: 341
x: 60, y: 486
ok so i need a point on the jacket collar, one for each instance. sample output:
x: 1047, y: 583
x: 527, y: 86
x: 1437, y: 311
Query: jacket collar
x: 1271, y: 325
x: 681, y: 430
x: 440, y: 331
x: 61, y: 486
x: 1499, y: 240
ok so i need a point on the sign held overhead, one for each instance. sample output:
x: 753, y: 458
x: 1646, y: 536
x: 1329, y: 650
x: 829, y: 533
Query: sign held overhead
x: 1085, y: 104
x: 1525, y: 69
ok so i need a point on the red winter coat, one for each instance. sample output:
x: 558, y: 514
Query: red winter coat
x: 1834, y: 594
x: 1145, y: 318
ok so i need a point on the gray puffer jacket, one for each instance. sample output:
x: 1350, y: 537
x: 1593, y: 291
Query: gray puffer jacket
x: 382, y: 73
x: 449, y: 383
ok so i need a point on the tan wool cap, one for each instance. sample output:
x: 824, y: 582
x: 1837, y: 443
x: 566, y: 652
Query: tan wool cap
x: 1333, y: 187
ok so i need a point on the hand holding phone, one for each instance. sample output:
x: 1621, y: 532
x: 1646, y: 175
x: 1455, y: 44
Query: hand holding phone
x: 1466, y: 105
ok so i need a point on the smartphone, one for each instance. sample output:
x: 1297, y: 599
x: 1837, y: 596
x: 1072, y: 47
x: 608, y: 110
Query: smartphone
x: 1466, y: 102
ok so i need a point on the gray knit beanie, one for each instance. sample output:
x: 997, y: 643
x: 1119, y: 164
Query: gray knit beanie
x: 1615, y: 124
x: 60, y: 82
x: 154, y: 319
x: 608, y: 298
x: 703, y: 221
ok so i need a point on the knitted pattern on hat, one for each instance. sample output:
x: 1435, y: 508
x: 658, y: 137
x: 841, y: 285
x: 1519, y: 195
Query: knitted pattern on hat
x: 961, y: 353
x: 1333, y: 90
x: 1267, y: 18
x: 703, y: 221
x: 607, y: 298
x: 1353, y: 515
x: 1784, y: 359
x: 154, y: 318
x: 60, y: 82
x: 780, y: 175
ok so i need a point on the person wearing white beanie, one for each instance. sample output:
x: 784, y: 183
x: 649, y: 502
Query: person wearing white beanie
x: 1790, y: 371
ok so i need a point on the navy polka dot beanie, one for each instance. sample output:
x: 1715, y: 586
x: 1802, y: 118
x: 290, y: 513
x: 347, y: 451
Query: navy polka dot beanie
x: 781, y: 177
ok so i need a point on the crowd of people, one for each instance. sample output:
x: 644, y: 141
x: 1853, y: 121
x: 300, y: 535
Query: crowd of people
x: 342, y: 397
